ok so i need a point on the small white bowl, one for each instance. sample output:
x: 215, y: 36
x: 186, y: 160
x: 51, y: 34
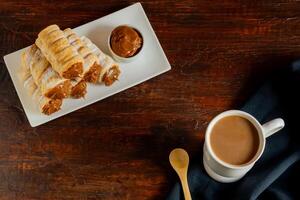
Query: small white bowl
x: 123, y: 59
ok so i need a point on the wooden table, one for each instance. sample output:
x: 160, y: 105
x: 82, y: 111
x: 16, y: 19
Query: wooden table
x: 220, y: 52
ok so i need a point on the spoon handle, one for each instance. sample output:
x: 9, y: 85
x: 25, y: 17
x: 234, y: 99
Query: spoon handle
x: 185, y: 187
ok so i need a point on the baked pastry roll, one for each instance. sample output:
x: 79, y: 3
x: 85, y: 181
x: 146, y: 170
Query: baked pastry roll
x: 49, y: 82
x: 53, y: 86
x: 26, y: 57
x: 63, y: 57
x: 46, y: 105
x: 110, y: 69
x: 91, y: 67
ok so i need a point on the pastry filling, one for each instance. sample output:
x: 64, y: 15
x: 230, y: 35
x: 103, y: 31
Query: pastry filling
x: 93, y: 73
x: 111, y: 75
x: 60, y: 91
x: 52, y: 106
x: 79, y: 90
x: 74, y: 71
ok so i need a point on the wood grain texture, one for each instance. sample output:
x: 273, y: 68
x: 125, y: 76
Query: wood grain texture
x: 220, y: 52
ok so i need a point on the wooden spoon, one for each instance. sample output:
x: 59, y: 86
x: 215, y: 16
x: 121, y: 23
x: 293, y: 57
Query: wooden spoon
x: 179, y: 160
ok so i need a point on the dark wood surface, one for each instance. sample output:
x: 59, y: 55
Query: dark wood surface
x: 220, y: 52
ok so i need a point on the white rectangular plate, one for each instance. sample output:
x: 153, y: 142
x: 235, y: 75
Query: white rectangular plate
x: 149, y: 64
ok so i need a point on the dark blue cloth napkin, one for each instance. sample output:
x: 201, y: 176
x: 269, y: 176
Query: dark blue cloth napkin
x: 277, y: 174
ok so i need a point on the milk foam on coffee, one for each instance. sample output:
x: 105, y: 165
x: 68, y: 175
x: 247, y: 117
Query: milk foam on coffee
x: 234, y: 140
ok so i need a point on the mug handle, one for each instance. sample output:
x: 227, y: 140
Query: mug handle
x: 272, y: 127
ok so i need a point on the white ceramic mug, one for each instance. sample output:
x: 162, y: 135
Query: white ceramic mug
x: 225, y: 172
